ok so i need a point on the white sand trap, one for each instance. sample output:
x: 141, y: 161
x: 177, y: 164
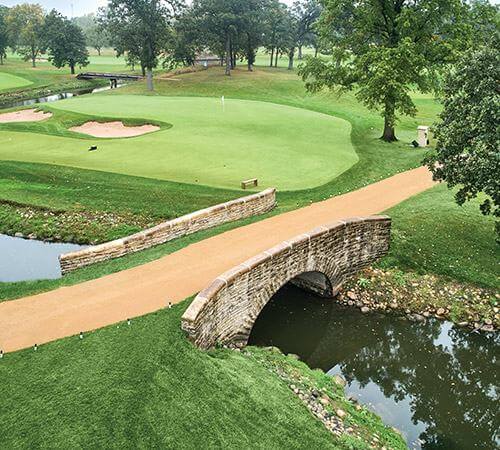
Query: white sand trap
x: 113, y: 129
x: 26, y: 115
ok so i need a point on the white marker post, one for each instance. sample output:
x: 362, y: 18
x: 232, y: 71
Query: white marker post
x: 223, y: 104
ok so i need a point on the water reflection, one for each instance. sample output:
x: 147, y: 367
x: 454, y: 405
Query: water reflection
x: 436, y: 383
x: 22, y: 259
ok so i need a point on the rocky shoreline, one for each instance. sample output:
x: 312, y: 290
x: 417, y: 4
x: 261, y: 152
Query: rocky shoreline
x: 421, y: 297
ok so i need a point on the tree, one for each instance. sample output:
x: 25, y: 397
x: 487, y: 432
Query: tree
x: 96, y: 35
x: 24, y: 24
x: 484, y: 22
x: 64, y: 41
x: 276, y: 30
x: 4, y: 38
x: 467, y: 151
x: 141, y: 29
x: 385, y: 48
x: 307, y: 13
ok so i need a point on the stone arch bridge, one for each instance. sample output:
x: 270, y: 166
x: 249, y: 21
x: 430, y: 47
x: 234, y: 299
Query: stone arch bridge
x: 321, y: 260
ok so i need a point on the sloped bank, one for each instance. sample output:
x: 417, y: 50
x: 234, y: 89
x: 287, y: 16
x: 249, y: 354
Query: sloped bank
x: 213, y: 216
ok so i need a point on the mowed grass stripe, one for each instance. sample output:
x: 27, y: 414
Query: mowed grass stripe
x: 9, y: 81
x: 286, y: 147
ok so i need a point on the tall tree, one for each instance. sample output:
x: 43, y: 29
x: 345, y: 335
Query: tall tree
x: 468, y: 141
x: 383, y: 49
x: 24, y: 24
x: 96, y: 35
x: 276, y: 34
x: 142, y: 29
x: 64, y: 41
x: 307, y: 13
x: 220, y: 23
x: 4, y: 37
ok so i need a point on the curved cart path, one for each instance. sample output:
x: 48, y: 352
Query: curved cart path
x: 93, y: 304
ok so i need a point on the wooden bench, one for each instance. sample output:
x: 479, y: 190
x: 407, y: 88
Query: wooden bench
x: 252, y: 182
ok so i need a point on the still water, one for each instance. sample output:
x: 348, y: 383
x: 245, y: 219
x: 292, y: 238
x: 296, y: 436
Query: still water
x: 436, y: 383
x: 23, y: 259
x: 55, y: 97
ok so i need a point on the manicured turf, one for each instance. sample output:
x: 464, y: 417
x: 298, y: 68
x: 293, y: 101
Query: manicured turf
x: 8, y: 81
x: 145, y: 385
x: 209, y: 144
x: 432, y: 234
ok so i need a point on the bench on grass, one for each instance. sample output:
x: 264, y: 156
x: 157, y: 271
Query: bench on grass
x: 252, y: 182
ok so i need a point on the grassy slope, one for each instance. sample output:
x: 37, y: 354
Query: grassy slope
x: 9, y: 81
x: 144, y: 385
x: 377, y: 160
x: 431, y: 234
x: 206, y: 145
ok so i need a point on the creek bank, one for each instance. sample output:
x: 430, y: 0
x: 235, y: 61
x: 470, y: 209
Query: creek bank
x: 13, y: 98
x: 352, y: 425
x: 79, y: 226
x: 419, y: 297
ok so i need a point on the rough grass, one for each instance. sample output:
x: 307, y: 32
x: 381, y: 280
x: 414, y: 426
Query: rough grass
x: 432, y: 234
x: 208, y: 144
x: 144, y: 385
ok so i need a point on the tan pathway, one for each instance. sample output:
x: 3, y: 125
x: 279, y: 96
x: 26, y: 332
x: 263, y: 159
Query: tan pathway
x: 67, y: 311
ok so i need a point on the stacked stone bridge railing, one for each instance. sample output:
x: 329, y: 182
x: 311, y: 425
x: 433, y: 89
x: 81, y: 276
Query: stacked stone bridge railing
x: 321, y: 261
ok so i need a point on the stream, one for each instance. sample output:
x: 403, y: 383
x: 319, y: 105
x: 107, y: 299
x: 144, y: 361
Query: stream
x: 436, y: 383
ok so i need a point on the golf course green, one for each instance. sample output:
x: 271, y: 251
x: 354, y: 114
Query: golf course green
x: 9, y: 81
x: 209, y: 143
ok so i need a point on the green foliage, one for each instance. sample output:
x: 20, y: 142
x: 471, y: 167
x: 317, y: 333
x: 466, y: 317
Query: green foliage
x: 467, y: 152
x: 4, y: 36
x: 141, y: 29
x: 24, y: 24
x: 64, y: 41
x: 383, y: 50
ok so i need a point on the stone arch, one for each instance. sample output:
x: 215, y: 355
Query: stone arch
x: 226, y: 310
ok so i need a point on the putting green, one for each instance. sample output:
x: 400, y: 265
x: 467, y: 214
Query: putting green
x: 8, y: 81
x: 285, y: 147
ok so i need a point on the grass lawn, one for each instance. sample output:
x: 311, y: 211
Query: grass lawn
x: 432, y: 234
x: 145, y: 385
x: 208, y: 144
x: 8, y: 81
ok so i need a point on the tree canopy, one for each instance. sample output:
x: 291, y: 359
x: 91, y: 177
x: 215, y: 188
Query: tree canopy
x: 4, y: 37
x: 24, y: 24
x: 383, y: 49
x: 467, y: 153
x: 64, y: 41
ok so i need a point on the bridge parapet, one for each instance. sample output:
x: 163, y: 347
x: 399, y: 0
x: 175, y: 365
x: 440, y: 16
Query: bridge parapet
x: 226, y: 310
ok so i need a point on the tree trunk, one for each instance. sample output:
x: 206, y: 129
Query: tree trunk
x: 149, y: 78
x: 389, y: 120
x: 300, y: 52
x: 228, y: 55
x: 315, y: 52
x: 276, y: 59
x: 98, y: 51
x: 33, y: 57
x: 72, y: 67
x: 143, y: 70
x: 1, y: 59
x: 291, y: 55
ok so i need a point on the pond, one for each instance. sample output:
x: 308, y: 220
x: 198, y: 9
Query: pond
x: 26, y: 259
x: 436, y: 383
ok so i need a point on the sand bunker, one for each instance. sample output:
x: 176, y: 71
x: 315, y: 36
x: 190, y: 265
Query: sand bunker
x: 26, y: 115
x: 113, y: 129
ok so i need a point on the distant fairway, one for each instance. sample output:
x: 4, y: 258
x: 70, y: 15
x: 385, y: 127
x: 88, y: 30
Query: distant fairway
x: 285, y: 147
x: 8, y: 81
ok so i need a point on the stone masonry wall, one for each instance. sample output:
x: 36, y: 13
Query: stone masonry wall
x: 240, y: 208
x: 226, y: 310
